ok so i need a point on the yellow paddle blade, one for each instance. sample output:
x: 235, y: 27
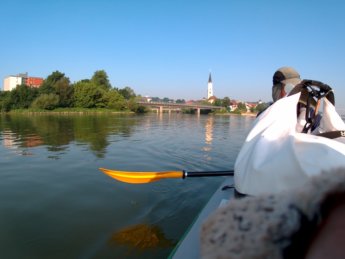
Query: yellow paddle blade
x: 141, y: 177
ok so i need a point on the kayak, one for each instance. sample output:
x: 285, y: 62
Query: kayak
x: 189, y: 245
x: 282, y: 151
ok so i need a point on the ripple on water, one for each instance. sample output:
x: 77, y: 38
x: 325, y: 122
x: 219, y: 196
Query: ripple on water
x: 58, y: 199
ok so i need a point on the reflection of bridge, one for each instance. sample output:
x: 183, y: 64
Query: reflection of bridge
x: 160, y: 107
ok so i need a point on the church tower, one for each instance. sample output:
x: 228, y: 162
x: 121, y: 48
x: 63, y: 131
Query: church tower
x: 209, y: 87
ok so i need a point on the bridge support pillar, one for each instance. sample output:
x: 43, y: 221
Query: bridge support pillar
x: 198, y: 111
x: 160, y: 109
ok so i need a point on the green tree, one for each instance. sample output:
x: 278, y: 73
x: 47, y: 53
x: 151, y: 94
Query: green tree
x: 218, y: 102
x: 46, y: 101
x: 127, y: 93
x: 64, y: 91
x: 133, y: 106
x: 57, y: 83
x: 241, y: 107
x: 180, y: 101
x: 115, y: 100
x: 261, y: 107
x: 5, y: 101
x: 47, y: 86
x: 166, y: 100
x: 141, y: 109
x: 100, y: 78
x: 54, y: 77
x: 88, y: 95
x: 22, y: 96
x: 226, y: 102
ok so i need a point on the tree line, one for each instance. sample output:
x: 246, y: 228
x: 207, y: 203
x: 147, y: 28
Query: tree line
x: 57, y: 91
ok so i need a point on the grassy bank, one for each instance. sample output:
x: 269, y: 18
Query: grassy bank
x: 68, y: 111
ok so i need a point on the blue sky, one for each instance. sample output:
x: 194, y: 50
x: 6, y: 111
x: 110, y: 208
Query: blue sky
x: 167, y: 48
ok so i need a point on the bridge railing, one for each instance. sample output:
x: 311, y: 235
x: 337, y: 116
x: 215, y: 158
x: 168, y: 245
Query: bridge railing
x: 181, y: 105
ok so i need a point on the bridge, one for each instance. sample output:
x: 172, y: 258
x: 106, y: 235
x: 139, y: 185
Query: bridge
x: 160, y: 107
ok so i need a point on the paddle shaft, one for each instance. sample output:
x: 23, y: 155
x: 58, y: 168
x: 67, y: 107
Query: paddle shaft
x: 207, y: 173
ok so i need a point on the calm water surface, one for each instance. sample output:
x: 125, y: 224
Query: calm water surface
x: 55, y: 203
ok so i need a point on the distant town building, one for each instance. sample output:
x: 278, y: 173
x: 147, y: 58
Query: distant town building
x: 33, y: 81
x: 210, y: 97
x: 209, y: 87
x: 249, y: 105
x: 146, y: 99
x: 11, y: 82
x: 233, y: 105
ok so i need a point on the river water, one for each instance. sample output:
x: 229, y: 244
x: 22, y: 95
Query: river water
x: 55, y: 203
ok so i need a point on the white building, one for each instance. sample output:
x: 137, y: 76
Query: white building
x: 11, y: 82
x: 209, y: 88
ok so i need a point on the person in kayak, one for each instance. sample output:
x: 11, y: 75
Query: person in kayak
x: 298, y: 136
x: 284, y: 80
x: 287, y: 81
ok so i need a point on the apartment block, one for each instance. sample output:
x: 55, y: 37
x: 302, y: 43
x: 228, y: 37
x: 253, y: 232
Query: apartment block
x: 11, y: 82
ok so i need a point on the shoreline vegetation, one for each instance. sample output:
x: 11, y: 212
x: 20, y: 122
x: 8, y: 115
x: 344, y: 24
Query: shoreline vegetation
x: 57, y: 95
x: 81, y: 111
x: 67, y: 111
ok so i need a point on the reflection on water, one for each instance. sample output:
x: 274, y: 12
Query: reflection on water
x: 55, y: 203
x: 141, y: 237
x: 56, y: 132
x: 8, y: 139
x: 208, y: 134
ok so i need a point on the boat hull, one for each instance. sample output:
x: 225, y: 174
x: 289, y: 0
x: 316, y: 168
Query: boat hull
x: 189, y: 245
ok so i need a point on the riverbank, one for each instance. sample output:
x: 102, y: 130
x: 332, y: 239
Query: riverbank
x: 249, y: 114
x: 68, y: 111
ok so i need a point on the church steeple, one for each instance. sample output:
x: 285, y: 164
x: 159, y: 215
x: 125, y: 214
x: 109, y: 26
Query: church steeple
x: 209, y: 87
